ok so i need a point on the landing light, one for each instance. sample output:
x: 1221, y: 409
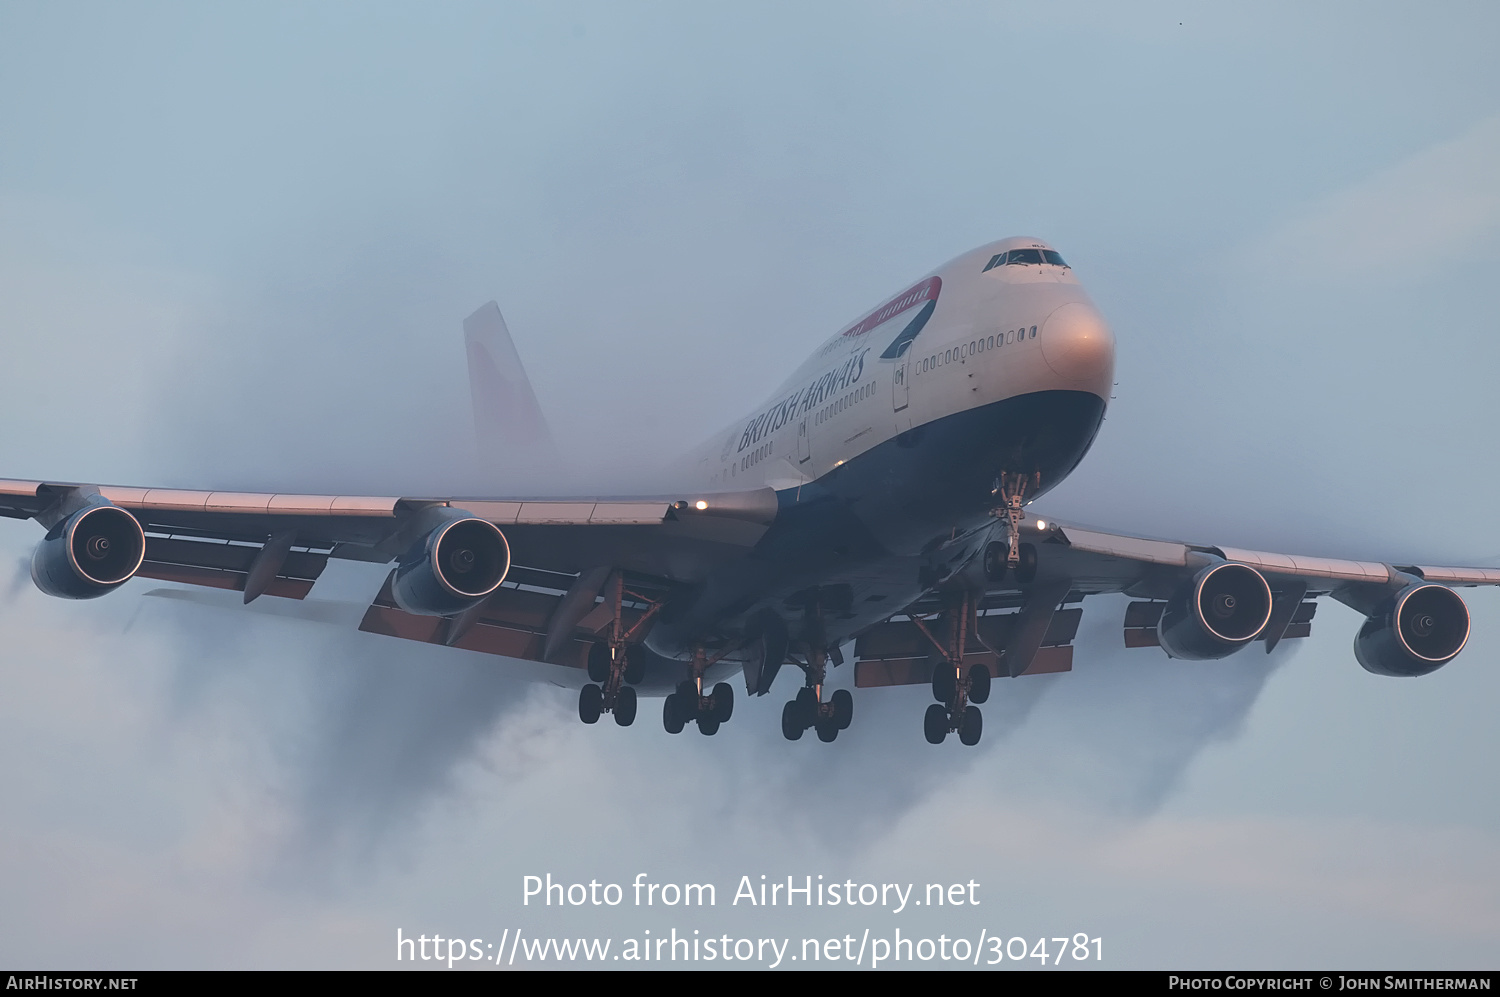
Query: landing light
x: 700, y: 505
x: 1041, y: 524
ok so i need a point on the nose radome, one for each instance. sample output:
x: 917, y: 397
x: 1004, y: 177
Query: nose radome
x: 1077, y: 343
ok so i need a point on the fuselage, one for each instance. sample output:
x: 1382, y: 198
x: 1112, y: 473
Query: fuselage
x: 886, y: 445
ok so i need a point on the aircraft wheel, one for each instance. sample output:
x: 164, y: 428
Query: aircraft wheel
x: 943, y: 681
x: 827, y: 730
x: 979, y: 684
x: 843, y: 708
x: 708, y: 726
x: 1026, y: 567
x: 599, y: 663
x: 625, y: 705
x: 723, y: 698
x: 635, y: 663
x: 590, y: 704
x: 935, y: 724
x: 671, y: 715
x: 971, y: 726
x: 791, y: 721
x: 807, y: 707
x: 995, y: 556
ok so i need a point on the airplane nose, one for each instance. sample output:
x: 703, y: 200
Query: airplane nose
x: 1077, y: 343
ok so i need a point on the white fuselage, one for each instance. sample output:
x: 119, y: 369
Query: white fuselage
x: 992, y: 334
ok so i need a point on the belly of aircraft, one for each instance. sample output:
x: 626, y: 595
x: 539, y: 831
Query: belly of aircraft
x: 856, y: 539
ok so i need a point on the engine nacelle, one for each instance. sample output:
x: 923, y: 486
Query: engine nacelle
x: 94, y: 551
x: 452, y: 568
x: 1222, y: 609
x: 1421, y: 631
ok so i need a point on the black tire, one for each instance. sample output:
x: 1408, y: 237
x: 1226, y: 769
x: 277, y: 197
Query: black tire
x: 1026, y: 567
x: 827, y: 731
x: 935, y: 724
x: 708, y: 726
x: 807, y: 704
x: 723, y: 697
x: 687, y: 701
x: 979, y: 684
x: 971, y: 726
x: 635, y: 663
x: 590, y: 704
x: 599, y: 663
x: 791, y: 721
x: 943, y: 681
x: 843, y: 708
x: 671, y: 715
x: 625, y: 705
x: 996, y: 555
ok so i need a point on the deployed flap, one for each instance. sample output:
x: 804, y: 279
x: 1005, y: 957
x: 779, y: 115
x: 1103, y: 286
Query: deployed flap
x: 574, y: 605
x: 1031, y: 625
x: 507, y: 418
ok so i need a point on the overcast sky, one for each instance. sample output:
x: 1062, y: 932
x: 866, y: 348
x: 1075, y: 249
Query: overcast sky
x: 236, y: 246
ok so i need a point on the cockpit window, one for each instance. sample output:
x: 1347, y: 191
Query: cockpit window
x: 1022, y: 256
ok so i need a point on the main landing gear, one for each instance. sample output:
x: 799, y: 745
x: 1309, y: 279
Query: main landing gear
x: 617, y: 665
x: 616, y: 670
x: 808, y: 711
x: 958, y: 690
x: 688, y: 704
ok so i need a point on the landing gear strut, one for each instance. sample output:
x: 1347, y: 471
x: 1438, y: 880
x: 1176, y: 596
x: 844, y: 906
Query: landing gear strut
x: 958, y: 690
x: 616, y: 665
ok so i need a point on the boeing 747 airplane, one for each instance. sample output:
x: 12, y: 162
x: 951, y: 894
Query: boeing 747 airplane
x: 872, y: 512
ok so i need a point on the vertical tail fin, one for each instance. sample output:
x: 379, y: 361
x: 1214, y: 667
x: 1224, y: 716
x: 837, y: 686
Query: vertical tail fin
x: 508, y: 422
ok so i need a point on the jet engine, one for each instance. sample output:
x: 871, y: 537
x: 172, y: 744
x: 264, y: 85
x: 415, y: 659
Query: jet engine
x: 452, y: 568
x: 95, y: 550
x: 1423, y: 629
x: 1222, y: 609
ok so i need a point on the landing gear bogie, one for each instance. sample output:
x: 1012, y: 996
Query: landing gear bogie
x: 688, y: 705
x: 807, y: 712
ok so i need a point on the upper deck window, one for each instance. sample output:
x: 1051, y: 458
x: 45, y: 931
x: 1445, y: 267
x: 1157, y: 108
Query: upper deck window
x: 1034, y: 257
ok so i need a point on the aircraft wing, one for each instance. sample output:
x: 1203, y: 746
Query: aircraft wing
x: 1015, y: 627
x: 277, y: 544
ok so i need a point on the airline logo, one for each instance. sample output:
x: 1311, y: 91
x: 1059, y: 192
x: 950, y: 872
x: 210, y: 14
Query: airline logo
x: 925, y: 291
